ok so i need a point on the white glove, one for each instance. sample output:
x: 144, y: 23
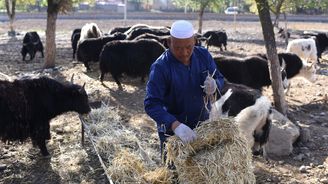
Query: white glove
x: 185, y: 133
x: 209, y: 85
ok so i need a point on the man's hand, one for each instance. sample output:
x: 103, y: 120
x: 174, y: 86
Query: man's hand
x: 186, y: 134
x: 209, y: 85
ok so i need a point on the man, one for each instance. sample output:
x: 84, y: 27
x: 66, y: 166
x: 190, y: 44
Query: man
x: 175, y: 97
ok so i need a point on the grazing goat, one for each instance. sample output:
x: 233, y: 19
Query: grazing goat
x: 75, y: 39
x: 158, y: 31
x: 31, y: 44
x: 216, y: 38
x: 295, y: 66
x: 118, y: 30
x: 133, y: 58
x: 321, y: 41
x: 282, y: 34
x: 252, y: 71
x: 251, y: 110
x: 89, y: 50
x: 90, y: 30
x: 28, y: 105
x: 304, y: 48
x: 161, y: 39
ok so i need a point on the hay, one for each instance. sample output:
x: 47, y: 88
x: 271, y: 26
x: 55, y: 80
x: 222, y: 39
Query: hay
x: 126, y: 168
x: 161, y: 175
x: 109, y: 134
x: 219, y: 155
x: 124, y: 159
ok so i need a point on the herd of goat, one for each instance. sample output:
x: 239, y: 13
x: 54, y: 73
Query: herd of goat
x: 131, y: 51
x: 122, y: 51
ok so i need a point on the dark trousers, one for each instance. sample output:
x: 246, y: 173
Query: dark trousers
x: 162, y: 138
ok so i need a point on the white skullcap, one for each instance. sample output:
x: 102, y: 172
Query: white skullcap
x: 182, y: 29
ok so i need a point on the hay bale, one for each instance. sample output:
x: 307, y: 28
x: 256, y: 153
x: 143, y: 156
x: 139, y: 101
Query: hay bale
x: 219, y: 155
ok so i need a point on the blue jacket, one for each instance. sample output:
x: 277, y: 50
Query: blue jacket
x: 174, y: 90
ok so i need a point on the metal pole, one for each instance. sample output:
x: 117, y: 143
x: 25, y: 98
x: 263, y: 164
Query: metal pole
x: 125, y: 10
x: 234, y: 20
x: 235, y: 17
x: 93, y: 142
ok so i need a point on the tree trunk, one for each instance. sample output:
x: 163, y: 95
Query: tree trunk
x: 277, y: 12
x: 200, y: 20
x: 285, y: 30
x: 51, y: 40
x: 10, y: 7
x: 276, y: 21
x: 274, y: 66
x: 203, y: 5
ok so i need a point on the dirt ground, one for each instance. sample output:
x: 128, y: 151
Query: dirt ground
x: 21, y: 163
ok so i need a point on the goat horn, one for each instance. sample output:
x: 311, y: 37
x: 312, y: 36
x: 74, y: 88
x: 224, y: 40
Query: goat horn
x: 283, y: 64
x: 72, y: 78
x: 313, y: 64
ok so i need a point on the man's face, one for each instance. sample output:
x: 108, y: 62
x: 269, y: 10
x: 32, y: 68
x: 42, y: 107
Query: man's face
x: 182, y: 48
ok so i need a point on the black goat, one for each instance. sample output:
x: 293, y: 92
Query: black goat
x: 31, y: 44
x: 216, y: 38
x: 252, y: 71
x: 89, y: 49
x: 75, y: 39
x: 28, y: 105
x: 133, y: 58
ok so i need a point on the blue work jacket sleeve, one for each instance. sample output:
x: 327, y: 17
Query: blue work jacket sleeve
x: 154, y: 100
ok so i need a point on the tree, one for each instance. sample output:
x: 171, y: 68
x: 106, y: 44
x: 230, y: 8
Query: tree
x: 270, y: 45
x: 54, y: 7
x: 10, y: 7
x: 200, y: 5
x: 24, y: 4
x: 276, y: 7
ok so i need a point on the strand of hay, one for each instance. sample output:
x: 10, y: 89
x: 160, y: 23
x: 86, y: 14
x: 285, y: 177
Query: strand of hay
x: 219, y: 155
x: 161, y: 175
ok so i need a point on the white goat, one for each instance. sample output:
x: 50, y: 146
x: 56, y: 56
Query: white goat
x: 90, y: 30
x: 252, y: 119
x: 304, y: 48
